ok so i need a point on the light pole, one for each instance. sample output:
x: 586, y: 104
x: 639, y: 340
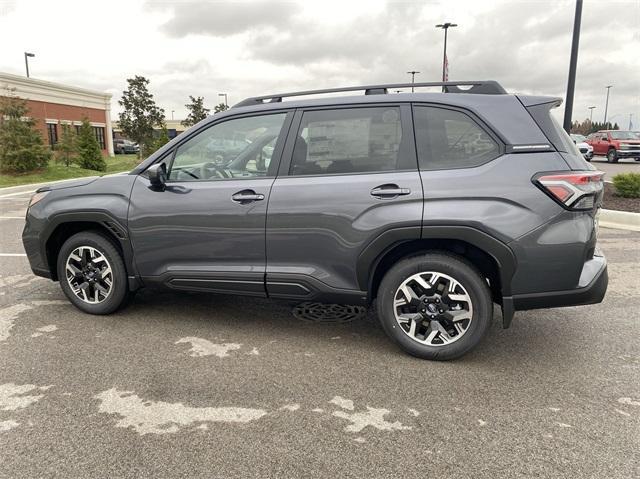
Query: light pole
x: 445, y: 27
x: 573, y: 64
x: 606, y: 105
x: 26, y: 60
x: 591, y: 113
x: 413, y: 77
x: 226, y: 104
x: 172, y: 112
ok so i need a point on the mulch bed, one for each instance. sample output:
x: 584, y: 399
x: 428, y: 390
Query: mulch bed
x: 613, y: 202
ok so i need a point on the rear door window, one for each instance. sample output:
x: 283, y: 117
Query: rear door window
x: 349, y: 140
x: 448, y: 139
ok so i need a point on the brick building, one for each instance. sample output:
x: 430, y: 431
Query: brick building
x: 53, y: 105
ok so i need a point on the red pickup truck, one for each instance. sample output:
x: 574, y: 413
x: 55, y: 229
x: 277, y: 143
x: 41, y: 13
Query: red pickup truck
x: 615, y: 144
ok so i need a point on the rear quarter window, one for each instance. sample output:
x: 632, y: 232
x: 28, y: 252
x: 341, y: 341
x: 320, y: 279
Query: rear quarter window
x: 447, y: 139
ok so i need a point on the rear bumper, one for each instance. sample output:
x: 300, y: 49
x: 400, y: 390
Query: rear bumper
x: 591, y: 289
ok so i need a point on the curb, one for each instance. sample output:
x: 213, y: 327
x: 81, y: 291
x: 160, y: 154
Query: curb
x: 622, y: 220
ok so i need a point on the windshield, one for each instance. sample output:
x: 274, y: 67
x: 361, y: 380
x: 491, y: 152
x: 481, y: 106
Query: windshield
x: 624, y: 135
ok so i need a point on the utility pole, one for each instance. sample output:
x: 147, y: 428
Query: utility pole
x: 26, y: 60
x: 445, y: 27
x: 606, y: 105
x: 630, y: 116
x: 225, y: 99
x: 591, y: 113
x: 413, y: 78
x: 172, y: 112
x: 573, y: 63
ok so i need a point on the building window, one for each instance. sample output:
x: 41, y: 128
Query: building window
x: 52, y: 133
x: 99, y: 132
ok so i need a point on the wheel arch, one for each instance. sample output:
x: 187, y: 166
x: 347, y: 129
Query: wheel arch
x: 494, y: 259
x: 63, y: 226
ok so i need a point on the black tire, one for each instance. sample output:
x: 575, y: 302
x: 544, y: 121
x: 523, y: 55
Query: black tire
x: 612, y: 156
x: 119, y: 293
x: 465, y: 274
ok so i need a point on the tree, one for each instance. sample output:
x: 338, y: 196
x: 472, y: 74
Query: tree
x: 90, y: 156
x: 67, y: 147
x: 220, y: 107
x: 197, y: 111
x: 140, y: 115
x: 21, y: 146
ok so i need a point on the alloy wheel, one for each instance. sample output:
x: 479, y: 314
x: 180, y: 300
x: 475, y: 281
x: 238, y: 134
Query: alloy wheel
x: 433, y: 308
x: 89, y: 274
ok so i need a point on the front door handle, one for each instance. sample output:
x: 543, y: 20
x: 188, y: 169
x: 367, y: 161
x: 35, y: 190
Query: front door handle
x: 247, y: 196
x: 389, y: 191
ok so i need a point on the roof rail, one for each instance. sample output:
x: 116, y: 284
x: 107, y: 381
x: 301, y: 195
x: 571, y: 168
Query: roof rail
x: 489, y: 87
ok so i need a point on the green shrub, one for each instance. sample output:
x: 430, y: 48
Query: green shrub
x: 627, y: 185
x: 21, y: 146
x: 89, y: 154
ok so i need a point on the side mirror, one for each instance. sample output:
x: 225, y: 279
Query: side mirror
x: 157, y: 176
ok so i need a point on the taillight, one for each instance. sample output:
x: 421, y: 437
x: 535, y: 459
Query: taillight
x: 575, y: 190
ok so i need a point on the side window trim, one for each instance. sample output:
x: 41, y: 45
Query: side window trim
x: 474, y: 118
x: 407, y: 142
x: 277, y: 152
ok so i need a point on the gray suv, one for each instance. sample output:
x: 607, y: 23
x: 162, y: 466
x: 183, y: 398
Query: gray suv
x: 435, y: 206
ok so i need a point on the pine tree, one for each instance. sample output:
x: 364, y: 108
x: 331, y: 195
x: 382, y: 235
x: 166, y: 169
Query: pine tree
x: 140, y: 114
x: 90, y: 156
x: 21, y: 146
x: 162, y: 139
x: 220, y: 107
x: 197, y: 111
x: 67, y: 147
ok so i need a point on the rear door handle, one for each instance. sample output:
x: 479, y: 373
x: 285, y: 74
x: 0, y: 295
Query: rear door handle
x: 247, y: 196
x: 389, y: 191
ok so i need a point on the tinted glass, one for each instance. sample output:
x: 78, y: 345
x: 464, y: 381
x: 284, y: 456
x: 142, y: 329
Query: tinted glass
x: 450, y: 139
x: 349, y: 140
x: 239, y: 148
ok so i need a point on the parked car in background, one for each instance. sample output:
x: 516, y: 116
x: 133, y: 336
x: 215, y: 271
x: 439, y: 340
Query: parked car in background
x: 615, y: 144
x: 585, y: 148
x: 122, y: 146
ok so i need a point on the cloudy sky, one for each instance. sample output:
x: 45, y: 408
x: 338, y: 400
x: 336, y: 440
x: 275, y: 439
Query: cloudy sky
x: 251, y: 48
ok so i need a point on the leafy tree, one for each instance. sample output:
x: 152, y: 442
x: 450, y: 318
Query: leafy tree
x: 140, y: 114
x: 67, y: 147
x: 220, y: 107
x: 21, y: 146
x: 90, y: 156
x: 587, y: 127
x: 197, y: 111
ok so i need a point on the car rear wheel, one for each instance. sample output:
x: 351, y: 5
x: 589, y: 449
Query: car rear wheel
x: 612, y: 156
x: 435, y: 306
x: 92, y: 274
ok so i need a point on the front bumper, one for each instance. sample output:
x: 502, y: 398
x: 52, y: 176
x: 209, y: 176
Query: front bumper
x: 590, y: 290
x: 628, y: 153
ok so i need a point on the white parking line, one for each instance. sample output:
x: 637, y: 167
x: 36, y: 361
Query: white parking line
x: 11, y: 217
x: 16, y: 194
x: 13, y: 254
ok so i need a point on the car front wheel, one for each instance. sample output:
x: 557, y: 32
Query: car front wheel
x: 435, y: 306
x: 92, y: 274
x: 612, y: 156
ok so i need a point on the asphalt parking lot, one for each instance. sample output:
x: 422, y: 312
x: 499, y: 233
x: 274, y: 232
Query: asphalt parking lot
x: 191, y: 385
x: 624, y: 165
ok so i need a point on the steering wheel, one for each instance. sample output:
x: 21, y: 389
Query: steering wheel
x: 205, y: 171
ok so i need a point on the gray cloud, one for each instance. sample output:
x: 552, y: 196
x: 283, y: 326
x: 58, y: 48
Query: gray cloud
x: 223, y: 19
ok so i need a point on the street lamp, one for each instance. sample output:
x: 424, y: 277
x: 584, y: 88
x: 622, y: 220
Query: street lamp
x: 606, y: 105
x: 26, y: 60
x: 226, y: 104
x: 573, y: 65
x: 445, y: 27
x: 413, y: 77
x: 591, y: 113
x: 172, y: 112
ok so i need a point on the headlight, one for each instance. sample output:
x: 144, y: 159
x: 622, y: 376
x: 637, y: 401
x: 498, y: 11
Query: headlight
x: 38, y: 197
